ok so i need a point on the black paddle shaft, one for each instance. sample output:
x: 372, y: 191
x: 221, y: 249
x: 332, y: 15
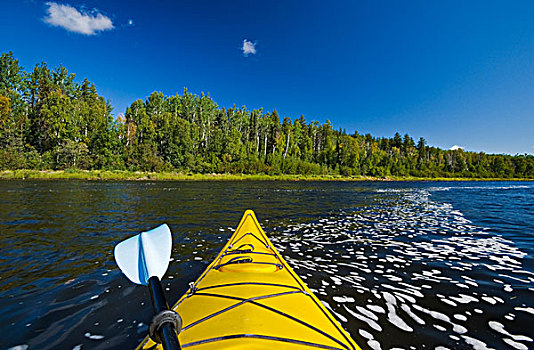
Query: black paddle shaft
x: 167, y: 332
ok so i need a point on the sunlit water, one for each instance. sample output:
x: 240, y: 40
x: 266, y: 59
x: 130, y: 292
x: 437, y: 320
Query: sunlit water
x: 433, y: 265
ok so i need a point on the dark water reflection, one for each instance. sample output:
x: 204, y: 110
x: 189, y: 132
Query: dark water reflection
x: 401, y: 264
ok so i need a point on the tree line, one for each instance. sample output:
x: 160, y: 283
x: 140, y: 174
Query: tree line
x: 50, y: 121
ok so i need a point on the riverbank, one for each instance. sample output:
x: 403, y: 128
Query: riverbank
x: 177, y: 176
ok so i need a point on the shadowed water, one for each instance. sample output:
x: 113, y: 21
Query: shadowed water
x: 402, y: 265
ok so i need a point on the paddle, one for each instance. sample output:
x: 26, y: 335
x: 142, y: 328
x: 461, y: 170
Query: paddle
x: 144, y: 259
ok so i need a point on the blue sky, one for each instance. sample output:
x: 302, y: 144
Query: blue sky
x: 454, y: 72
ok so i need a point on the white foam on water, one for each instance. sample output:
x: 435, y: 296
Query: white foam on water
x: 499, y: 327
x: 343, y: 299
x: 393, y: 318
x: 93, y: 336
x: 409, y: 286
x: 460, y: 317
x: 367, y: 313
x: 373, y: 344
x: 19, y: 347
x: 365, y: 319
x: 442, y: 317
x: 515, y: 344
x: 339, y: 316
x: 489, y: 300
x: 439, y: 328
x: 477, y: 344
x: 530, y: 310
x: 407, y: 245
x: 404, y: 297
x: 410, y: 313
x: 458, y: 328
x: 450, y: 302
x: 435, y: 314
x: 464, y: 299
x: 336, y: 280
x: 406, y: 290
x: 472, y: 283
x: 365, y: 334
x: 515, y: 278
x: 376, y: 308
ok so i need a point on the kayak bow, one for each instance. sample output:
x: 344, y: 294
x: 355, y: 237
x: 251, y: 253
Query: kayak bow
x: 249, y: 298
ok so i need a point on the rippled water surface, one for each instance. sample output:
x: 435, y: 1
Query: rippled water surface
x: 437, y: 265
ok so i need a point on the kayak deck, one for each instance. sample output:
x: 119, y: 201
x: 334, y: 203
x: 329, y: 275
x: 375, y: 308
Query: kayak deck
x: 249, y: 298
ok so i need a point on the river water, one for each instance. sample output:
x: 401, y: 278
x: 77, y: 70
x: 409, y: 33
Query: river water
x: 403, y: 265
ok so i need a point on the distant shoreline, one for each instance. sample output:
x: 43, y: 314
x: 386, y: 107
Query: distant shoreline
x: 178, y: 176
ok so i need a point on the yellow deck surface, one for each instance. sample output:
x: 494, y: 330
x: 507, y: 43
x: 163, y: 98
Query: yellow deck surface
x: 249, y: 298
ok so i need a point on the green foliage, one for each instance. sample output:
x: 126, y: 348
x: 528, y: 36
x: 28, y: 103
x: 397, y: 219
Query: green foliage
x: 5, y: 109
x: 49, y: 121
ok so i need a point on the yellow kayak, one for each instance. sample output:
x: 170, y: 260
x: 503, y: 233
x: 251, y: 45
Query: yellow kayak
x: 249, y: 298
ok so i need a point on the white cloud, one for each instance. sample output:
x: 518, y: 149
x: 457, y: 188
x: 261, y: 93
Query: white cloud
x: 456, y: 147
x: 71, y: 19
x: 249, y: 48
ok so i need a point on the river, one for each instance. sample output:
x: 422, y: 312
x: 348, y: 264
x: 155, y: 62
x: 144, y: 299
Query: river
x: 403, y: 265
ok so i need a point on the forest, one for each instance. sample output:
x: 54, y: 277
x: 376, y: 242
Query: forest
x: 49, y: 120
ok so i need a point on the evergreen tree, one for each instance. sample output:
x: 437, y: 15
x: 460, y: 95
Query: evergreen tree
x: 48, y: 120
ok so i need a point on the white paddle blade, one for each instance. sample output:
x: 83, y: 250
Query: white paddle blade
x: 145, y: 255
x: 128, y: 256
x: 157, y: 247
